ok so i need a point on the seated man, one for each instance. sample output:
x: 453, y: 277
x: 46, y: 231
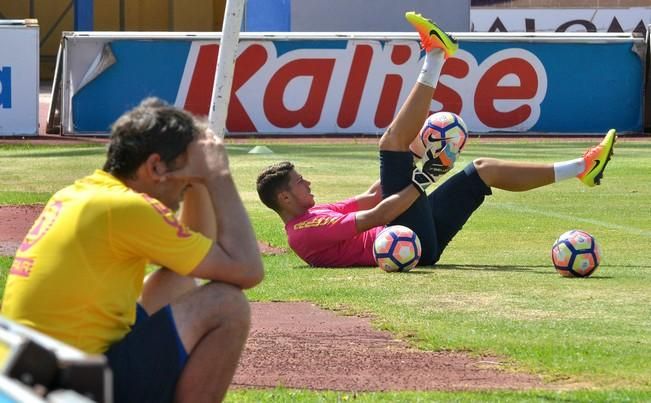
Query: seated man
x: 342, y: 234
x: 78, y: 275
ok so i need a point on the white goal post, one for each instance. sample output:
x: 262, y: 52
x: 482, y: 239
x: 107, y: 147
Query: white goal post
x: 222, y: 84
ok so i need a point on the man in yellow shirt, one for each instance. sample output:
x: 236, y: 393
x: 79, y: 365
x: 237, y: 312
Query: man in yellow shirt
x: 79, y: 275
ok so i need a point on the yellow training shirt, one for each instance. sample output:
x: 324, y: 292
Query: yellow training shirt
x: 79, y: 271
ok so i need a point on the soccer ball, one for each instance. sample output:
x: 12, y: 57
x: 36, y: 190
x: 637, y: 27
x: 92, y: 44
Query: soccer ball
x: 576, y: 254
x: 441, y: 129
x: 396, y: 248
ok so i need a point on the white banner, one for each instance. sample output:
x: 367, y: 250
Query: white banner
x: 561, y: 20
x: 19, y: 79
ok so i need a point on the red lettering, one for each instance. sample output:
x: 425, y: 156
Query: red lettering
x: 42, y: 225
x: 200, y: 90
x: 248, y: 63
x: 400, y: 54
x: 37, y: 226
x: 449, y: 98
x: 309, y: 114
x: 168, y: 216
x: 21, y: 267
x: 355, y: 86
x: 388, y: 101
x: 489, y: 90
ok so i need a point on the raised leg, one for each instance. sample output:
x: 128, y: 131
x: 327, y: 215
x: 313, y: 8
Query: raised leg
x: 521, y: 176
x: 514, y: 176
x: 438, y: 45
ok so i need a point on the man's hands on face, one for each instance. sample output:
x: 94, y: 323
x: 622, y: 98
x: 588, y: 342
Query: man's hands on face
x: 206, y: 159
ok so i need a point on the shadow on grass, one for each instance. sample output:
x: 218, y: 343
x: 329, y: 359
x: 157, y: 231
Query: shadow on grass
x: 544, y: 270
x: 307, y: 267
x: 431, y: 270
x: 434, y: 269
x: 482, y: 267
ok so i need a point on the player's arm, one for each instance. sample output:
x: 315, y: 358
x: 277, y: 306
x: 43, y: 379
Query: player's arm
x: 387, y: 210
x: 198, y: 212
x: 234, y: 258
x: 370, y: 198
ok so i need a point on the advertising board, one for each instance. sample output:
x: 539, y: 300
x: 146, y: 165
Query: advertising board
x: 634, y: 19
x: 19, y: 77
x: 291, y: 85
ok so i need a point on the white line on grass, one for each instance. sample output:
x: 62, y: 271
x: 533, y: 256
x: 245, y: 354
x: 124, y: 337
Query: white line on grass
x: 528, y: 210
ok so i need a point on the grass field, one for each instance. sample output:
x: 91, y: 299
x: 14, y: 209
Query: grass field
x: 494, y: 290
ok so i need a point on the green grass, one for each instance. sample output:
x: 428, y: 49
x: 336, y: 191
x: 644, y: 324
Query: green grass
x: 29, y: 174
x: 5, y: 263
x: 280, y: 395
x: 494, y: 290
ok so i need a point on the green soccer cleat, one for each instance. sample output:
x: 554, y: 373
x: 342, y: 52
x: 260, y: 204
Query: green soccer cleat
x: 431, y: 36
x: 596, y: 159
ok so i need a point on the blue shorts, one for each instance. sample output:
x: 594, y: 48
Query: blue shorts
x: 147, y: 363
x: 437, y: 217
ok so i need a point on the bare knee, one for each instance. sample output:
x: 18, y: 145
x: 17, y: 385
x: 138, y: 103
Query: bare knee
x: 211, y: 306
x: 484, y: 163
x: 227, y: 303
x: 487, y: 169
x: 391, y: 141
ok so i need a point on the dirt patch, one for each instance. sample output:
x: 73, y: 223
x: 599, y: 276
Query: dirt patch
x: 15, y: 221
x: 267, y: 249
x: 298, y: 345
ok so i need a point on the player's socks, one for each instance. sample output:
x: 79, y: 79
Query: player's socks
x: 431, y: 70
x: 568, y: 169
x: 429, y: 76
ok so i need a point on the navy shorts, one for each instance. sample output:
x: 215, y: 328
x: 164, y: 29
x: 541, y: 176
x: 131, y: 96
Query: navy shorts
x: 147, y: 363
x: 437, y: 217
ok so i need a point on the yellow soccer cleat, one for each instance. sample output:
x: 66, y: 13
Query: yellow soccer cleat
x: 431, y: 36
x: 596, y: 159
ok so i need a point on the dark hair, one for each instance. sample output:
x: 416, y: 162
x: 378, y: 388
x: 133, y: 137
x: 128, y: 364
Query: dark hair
x: 153, y: 127
x: 272, y: 180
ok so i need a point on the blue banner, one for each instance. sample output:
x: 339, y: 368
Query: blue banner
x: 353, y: 86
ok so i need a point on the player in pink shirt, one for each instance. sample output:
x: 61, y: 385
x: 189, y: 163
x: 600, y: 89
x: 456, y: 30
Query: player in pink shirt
x: 327, y: 236
x: 342, y: 234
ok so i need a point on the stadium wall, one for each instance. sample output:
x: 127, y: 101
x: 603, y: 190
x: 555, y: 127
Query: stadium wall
x: 57, y: 16
x: 346, y: 15
x: 598, y: 19
x: 352, y: 84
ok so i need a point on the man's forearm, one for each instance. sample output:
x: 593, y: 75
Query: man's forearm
x: 371, y: 198
x: 234, y: 230
x: 198, y: 212
x: 391, y: 207
x: 387, y: 210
